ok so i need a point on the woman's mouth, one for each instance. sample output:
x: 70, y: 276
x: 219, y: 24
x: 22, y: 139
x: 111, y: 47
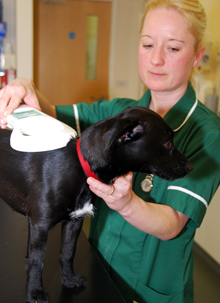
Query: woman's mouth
x: 157, y: 75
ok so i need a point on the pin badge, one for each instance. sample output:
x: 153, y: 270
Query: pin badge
x: 147, y: 183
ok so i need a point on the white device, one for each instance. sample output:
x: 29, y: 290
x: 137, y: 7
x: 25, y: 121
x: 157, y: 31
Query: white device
x: 34, y: 131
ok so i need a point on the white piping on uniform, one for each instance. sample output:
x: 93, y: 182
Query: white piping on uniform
x: 189, y: 192
x: 76, y: 113
x: 188, y: 116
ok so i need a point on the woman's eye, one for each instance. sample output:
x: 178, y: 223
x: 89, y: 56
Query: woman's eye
x: 174, y: 49
x: 148, y: 45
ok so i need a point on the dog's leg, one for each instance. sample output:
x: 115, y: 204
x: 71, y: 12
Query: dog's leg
x: 38, y: 235
x: 70, y: 232
x: 28, y: 237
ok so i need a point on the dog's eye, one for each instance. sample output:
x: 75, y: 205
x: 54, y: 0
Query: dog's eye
x: 169, y: 144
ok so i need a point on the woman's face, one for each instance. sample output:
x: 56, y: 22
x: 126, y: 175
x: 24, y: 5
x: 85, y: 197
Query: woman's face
x: 166, y: 51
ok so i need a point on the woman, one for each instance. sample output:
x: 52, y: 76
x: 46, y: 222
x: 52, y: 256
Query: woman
x: 145, y: 238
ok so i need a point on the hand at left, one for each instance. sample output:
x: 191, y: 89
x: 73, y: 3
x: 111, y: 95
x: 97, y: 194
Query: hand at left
x: 117, y: 196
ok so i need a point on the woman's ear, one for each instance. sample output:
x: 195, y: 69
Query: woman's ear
x: 199, y: 56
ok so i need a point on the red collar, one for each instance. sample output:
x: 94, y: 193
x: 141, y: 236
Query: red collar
x: 84, y: 163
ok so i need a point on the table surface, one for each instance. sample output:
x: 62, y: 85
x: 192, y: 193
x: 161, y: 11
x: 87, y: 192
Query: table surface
x: 13, y: 246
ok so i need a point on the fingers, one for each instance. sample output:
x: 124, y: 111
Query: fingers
x: 112, y: 191
x: 12, y: 95
x: 117, y: 196
x: 10, y: 99
x: 8, y: 103
x: 100, y: 189
x: 118, y: 189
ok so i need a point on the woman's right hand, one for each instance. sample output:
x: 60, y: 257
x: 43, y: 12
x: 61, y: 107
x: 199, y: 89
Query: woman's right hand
x: 11, y: 95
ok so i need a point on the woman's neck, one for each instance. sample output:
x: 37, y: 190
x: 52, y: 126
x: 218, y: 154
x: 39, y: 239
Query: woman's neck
x: 162, y: 102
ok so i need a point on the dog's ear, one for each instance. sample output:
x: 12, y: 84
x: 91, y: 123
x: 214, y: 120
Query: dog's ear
x: 126, y: 132
x: 131, y: 134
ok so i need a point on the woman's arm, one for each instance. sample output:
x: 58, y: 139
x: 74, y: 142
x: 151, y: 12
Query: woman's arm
x: 159, y: 220
x: 22, y: 89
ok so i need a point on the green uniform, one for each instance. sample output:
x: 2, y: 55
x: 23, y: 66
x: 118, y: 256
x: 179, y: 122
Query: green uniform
x: 144, y: 268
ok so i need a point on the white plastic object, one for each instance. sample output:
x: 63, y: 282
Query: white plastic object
x: 34, y: 131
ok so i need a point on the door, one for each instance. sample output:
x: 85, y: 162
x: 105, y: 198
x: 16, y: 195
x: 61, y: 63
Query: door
x: 71, y: 50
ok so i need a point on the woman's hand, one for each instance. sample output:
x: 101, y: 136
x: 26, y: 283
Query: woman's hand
x: 22, y: 89
x: 159, y: 220
x: 12, y: 94
x: 117, y: 196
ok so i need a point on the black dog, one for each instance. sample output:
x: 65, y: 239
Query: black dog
x: 49, y: 187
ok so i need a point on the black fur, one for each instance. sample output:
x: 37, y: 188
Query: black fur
x: 48, y: 187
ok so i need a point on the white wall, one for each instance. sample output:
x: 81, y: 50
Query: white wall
x: 208, y: 235
x: 18, y: 15
x: 124, y: 79
x: 124, y: 75
x: 24, y: 38
x: 9, y: 18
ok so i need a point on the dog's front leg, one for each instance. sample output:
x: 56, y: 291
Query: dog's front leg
x: 70, y: 232
x: 38, y: 235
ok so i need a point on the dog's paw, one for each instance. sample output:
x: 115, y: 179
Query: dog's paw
x: 37, y: 296
x: 74, y: 281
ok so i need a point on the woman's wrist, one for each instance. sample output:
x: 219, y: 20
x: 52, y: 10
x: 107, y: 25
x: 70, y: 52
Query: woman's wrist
x: 132, y: 207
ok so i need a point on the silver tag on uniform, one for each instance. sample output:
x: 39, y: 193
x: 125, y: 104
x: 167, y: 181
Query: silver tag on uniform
x: 147, y: 184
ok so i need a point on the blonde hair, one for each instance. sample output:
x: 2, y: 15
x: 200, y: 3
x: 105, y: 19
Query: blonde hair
x: 193, y: 12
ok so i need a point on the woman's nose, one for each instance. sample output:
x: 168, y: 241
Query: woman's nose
x: 157, y: 56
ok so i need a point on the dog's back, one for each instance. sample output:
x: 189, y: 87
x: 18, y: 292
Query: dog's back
x: 51, y: 177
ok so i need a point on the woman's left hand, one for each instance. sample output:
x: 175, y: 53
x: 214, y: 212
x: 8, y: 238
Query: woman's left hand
x: 117, y: 196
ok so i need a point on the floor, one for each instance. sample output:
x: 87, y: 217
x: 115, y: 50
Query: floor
x: 206, y: 274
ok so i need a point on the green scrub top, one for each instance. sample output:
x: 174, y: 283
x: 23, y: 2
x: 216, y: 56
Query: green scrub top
x: 145, y: 268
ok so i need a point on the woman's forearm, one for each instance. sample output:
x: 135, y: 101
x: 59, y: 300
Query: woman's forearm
x: 159, y: 220
x: 46, y: 107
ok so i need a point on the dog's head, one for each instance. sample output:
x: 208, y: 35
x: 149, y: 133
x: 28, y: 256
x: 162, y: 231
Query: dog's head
x: 137, y: 139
